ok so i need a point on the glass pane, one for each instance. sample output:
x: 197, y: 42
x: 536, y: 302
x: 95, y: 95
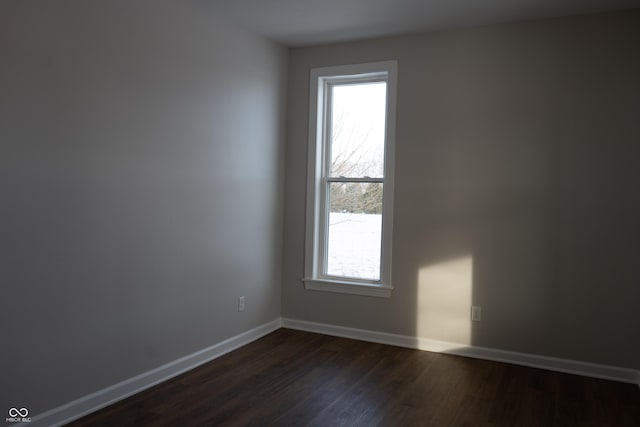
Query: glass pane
x: 355, y: 230
x: 358, y: 125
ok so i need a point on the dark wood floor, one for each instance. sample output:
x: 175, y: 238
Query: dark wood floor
x: 292, y: 378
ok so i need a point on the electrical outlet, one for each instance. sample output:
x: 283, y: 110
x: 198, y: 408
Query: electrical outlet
x: 241, y: 304
x: 476, y: 313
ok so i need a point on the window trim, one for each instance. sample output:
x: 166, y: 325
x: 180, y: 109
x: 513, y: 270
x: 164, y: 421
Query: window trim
x: 320, y: 78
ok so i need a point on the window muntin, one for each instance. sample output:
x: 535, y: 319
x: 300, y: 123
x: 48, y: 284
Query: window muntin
x: 349, y: 204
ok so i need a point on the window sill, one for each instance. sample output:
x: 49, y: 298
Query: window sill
x: 343, y: 287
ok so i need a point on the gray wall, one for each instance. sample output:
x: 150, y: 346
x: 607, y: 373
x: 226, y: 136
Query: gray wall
x: 517, y: 177
x: 141, y: 151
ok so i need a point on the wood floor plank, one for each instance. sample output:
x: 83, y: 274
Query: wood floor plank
x: 293, y: 378
x: 352, y: 362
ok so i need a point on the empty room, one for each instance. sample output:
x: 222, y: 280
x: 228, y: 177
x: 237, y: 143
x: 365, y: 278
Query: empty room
x: 322, y: 213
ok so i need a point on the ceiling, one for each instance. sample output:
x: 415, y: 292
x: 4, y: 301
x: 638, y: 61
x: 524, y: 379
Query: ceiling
x: 308, y: 22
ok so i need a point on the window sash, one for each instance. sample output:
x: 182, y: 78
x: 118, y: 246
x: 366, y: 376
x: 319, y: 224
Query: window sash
x: 329, y: 83
x: 325, y: 212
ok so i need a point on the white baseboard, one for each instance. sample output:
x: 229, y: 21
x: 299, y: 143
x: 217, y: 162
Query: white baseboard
x: 550, y: 363
x: 102, y: 398
x: 94, y: 401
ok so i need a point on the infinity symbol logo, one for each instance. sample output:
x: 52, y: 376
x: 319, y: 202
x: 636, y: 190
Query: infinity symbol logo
x: 14, y: 412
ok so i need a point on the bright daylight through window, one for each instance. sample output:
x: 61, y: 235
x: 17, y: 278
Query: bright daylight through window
x: 350, y: 182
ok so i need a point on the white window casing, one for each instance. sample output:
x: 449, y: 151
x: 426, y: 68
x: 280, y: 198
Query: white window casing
x: 319, y: 178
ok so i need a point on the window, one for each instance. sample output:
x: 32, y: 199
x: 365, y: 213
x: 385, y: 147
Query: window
x: 350, y: 179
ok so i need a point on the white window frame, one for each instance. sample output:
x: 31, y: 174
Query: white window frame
x: 318, y: 171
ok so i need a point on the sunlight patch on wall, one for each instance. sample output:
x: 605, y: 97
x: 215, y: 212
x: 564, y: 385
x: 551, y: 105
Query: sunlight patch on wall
x: 444, y: 301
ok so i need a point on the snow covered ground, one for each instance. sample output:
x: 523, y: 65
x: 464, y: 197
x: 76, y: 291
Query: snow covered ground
x: 354, y: 245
